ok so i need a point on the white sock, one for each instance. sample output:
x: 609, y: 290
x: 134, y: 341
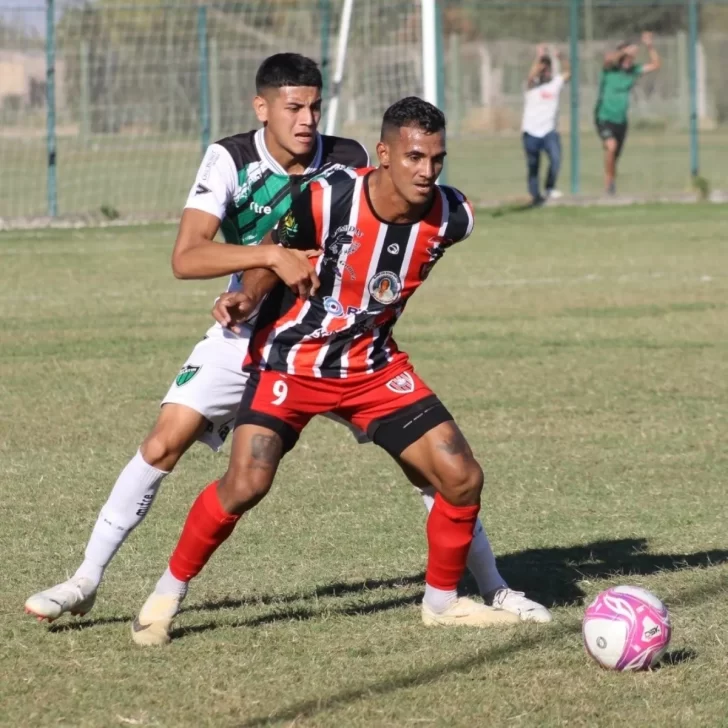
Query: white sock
x: 438, y: 600
x: 128, y: 503
x: 481, y: 560
x: 170, y: 584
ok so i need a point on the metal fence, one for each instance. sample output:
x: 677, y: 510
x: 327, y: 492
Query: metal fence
x: 104, y: 107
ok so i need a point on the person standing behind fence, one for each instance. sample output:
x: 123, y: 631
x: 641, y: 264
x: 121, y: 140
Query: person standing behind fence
x: 619, y: 75
x: 540, y: 117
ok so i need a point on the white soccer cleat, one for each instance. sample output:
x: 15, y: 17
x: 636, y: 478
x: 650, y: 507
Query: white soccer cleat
x: 554, y: 194
x: 76, y: 596
x: 153, y: 625
x: 465, y: 612
x: 517, y: 603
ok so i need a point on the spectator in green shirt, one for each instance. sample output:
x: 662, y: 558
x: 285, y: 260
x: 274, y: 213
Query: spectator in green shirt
x: 619, y: 75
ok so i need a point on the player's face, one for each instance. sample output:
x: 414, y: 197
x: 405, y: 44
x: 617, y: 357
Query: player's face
x: 414, y: 160
x: 291, y: 115
x: 628, y: 57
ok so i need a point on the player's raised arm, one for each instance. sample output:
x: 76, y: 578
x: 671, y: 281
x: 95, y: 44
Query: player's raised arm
x: 537, y: 66
x: 655, y: 60
x: 565, y: 66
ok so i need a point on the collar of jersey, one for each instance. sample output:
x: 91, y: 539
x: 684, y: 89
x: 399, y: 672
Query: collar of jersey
x: 270, y: 161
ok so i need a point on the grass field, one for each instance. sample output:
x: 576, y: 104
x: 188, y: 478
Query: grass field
x: 152, y: 176
x: 584, y: 354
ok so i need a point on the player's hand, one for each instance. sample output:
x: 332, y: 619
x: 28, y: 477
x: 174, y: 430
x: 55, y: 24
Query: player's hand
x: 232, y: 308
x: 542, y: 50
x: 647, y: 38
x: 295, y: 269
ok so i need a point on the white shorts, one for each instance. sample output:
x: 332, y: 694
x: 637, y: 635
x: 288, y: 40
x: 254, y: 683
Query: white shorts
x: 211, y: 382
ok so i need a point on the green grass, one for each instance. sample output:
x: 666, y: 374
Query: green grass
x: 148, y: 175
x: 583, y: 353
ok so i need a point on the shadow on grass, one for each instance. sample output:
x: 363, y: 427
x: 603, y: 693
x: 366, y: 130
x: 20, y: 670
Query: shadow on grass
x: 337, y: 589
x: 551, y: 575
x: 79, y: 624
x: 676, y: 657
x: 302, y: 613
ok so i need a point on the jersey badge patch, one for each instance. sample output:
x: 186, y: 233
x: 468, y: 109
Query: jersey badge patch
x: 287, y: 227
x: 402, y: 384
x: 385, y: 287
x: 185, y: 374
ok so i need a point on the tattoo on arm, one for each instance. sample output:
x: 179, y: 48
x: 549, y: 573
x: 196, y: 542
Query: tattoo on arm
x: 266, y: 451
x: 455, y: 443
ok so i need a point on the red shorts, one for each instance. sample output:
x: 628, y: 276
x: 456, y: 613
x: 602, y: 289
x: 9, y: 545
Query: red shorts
x: 286, y: 403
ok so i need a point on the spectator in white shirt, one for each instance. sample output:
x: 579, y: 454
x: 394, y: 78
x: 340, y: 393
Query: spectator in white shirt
x: 540, y: 119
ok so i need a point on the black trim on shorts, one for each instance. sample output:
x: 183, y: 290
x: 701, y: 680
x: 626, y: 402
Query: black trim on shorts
x: 398, y: 431
x: 288, y: 435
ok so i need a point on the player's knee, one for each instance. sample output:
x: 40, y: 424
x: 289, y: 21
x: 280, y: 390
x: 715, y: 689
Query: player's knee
x: 162, y: 450
x: 243, y: 488
x: 462, y: 487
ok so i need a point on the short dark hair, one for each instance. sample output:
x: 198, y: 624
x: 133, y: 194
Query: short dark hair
x: 287, y: 69
x: 546, y: 60
x: 413, y: 111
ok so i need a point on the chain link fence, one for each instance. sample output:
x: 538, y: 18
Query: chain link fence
x: 139, y: 88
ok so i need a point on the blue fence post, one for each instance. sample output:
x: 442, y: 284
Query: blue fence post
x: 51, y: 106
x: 693, y: 84
x: 574, y: 17
x: 204, y: 54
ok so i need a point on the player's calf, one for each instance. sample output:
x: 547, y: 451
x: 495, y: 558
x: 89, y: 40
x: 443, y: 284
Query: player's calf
x: 253, y: 464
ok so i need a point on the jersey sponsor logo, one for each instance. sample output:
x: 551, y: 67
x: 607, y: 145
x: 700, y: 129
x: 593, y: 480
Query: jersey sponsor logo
x: 393, y: 249
x: 212, y: 158
x: 185, y: 374
x: 333, y: 307
x: 336, y: 309
x: 401, y: 384
x: 260, y: 209
x: 350, y: 231
x: 385, y: 287
x: 201, y: 189
x: 145, y: 504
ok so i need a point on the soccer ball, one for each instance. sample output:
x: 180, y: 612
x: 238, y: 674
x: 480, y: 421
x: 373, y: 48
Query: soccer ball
x: 626, y: 628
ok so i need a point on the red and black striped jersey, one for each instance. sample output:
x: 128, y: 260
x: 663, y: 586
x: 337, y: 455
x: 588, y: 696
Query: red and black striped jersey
x: 368, y: 270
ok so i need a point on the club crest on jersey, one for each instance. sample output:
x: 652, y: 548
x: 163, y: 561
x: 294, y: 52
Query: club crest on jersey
x: 185, y: 374
x: 385, y: 287
x: 402, y: 384
x: 287, y: 227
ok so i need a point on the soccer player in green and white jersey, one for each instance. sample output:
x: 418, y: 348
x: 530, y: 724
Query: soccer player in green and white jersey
x: 244, y: 185
x: 619, y: 75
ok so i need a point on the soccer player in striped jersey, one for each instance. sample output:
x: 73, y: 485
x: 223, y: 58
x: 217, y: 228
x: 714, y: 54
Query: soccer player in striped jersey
x: 378, y: 233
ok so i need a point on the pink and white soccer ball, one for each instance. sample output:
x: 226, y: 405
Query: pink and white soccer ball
x: 626, y: 628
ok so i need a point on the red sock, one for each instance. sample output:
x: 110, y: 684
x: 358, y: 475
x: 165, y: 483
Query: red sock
x: 206, y: 527
x: 449, y: 535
